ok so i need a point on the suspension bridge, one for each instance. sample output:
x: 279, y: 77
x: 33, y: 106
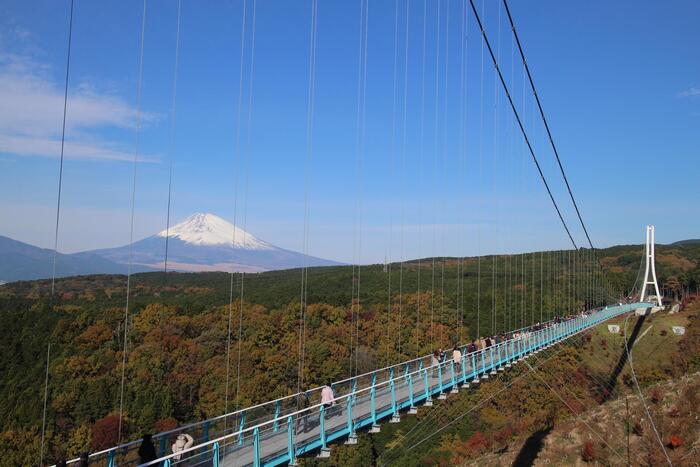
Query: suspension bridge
x: 277, y: 433
x: 280, y: 431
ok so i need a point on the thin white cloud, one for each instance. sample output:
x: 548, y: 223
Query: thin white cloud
x: 31, y: 112
x: 46, y: 147
x: 690, y: 92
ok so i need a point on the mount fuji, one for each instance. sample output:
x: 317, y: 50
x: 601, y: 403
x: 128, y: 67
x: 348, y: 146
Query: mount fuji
x: 206, y: 242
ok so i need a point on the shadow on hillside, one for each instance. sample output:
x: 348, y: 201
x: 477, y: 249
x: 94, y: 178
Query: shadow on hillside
x: 622, y: 361
x: 532, y: 446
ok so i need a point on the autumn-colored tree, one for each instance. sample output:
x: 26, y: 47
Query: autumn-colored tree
x: 165, y: 424
x: 105, y: 432
x: 19, y: 447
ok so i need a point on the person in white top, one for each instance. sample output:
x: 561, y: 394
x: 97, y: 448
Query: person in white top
x: 327, y: 397
x: 457, y: 355
x: 184, y: 441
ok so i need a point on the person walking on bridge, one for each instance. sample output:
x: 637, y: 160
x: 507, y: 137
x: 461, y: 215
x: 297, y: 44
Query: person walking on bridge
x: 327, y: 396
x: 435, y: 363
x: 457, y: 355
x: 147, y: 451
x: 184, y: 441
x: 328, y: 399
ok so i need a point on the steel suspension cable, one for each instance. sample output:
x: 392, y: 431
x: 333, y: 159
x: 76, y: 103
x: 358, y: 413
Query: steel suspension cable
x: 58, y: 212
x: 464, y: 50
x: 403, y: 173
x: 237, y: 158
x: 541, y: 286
x: 63, y: 144
x: 131, y: 228
x: 549, y: 135
x: 494, y: 263
x: 310, y: 105
x: 361, y: 90
x: 520, y: 124
x: 392, y: 152
x: 435, y: 172
x: 444, y: 170
x: 46, y: 398
x: 240, y: 296
x: 481, y: 202
x: 544, y: 120
x: 421, y: 155
x: 245, y: 158
x: 507, y: 259
x: 171, y: 143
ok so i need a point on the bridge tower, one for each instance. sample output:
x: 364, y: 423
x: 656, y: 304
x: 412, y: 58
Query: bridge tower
x: 650, y: 270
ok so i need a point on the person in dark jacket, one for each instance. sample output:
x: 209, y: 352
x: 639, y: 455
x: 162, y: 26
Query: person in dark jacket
x: 147, y: 451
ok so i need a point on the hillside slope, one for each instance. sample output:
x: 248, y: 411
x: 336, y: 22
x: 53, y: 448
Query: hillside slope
x: 573, y: 404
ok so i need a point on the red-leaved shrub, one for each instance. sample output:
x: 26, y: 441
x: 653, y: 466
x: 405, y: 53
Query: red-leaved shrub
x: 674, y: 442
x: 588, y: 452
x: 478, y: 443
x: 656, y: 395
x: 503, y: 435
x: 637, y: 428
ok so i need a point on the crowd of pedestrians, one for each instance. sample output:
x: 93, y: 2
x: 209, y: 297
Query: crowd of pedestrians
x: 439, y: 356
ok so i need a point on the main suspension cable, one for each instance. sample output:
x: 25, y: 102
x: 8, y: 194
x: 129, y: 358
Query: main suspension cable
x: 544, y: 120
x: 63, y: 143
x: 520, y: 124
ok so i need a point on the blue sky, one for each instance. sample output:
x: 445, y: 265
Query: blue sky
x: 620, y: 82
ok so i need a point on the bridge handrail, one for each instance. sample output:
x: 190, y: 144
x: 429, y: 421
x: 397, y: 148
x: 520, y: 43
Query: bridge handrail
x: 182, y: 428
x: 308, y: 410
x: 312, y: 409
x: 316, y: 389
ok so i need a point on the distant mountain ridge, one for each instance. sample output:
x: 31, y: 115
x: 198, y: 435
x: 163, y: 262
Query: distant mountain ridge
x: 690, y: 241
x: 202, y: 242
x: 22, y: 261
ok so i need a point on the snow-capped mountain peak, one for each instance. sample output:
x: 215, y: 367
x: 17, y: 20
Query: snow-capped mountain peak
x: 205, y: 229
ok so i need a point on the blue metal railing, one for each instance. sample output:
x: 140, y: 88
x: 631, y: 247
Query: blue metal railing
x: 269, y: 433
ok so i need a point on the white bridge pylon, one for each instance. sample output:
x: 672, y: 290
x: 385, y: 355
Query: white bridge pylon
x: 650, y: 269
